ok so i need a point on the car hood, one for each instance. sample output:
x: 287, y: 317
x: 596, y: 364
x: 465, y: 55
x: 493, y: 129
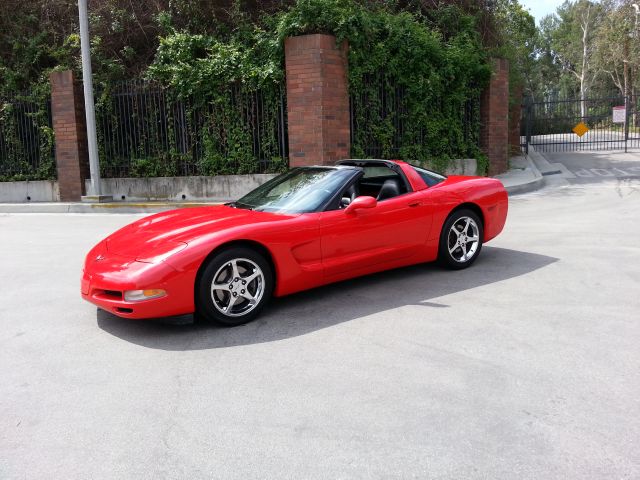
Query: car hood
x: 158, y: 236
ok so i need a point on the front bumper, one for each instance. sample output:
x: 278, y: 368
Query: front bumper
x: 107, y: 276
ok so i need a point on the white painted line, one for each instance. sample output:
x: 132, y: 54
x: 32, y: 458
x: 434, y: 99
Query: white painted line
x: 620, y: 171
x: 607, y: 172
x: 603, y: 172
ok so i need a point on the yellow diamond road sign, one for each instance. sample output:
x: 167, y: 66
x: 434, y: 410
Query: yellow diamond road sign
x: 580, y: 129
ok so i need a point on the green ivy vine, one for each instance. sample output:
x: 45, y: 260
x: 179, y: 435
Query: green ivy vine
x: 26, y: 137
x: 414, y: 81
x: 437, y: 63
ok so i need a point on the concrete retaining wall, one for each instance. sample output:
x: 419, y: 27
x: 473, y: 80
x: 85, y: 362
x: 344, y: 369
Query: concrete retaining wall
x: 466, y: 166
x: 221, y: 187
x: 24, y: 192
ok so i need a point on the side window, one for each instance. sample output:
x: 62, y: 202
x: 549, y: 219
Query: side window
x: 382, y: 182
x: 429, y: 177
x: 377, y: 180
x: 346, y: 196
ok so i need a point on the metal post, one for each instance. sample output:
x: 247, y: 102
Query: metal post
x: 529, y: 117
x: 627, y: 107
x: 87, y: 80
x: 634, y: 98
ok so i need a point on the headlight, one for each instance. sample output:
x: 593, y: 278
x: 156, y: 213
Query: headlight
x: 139, y: 295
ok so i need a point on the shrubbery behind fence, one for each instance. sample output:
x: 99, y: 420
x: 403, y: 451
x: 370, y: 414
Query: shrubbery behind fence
x: 26, y: 138
x: 387, y: 121
x: 145, y: 130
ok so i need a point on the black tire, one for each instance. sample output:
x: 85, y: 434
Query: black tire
x: 455, y: 251
x: 234, y: 289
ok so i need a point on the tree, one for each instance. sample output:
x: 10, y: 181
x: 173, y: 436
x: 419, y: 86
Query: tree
x: 39, y: 35
x: 618, y: 43
x: 518, y: 37
x: 572, y: 32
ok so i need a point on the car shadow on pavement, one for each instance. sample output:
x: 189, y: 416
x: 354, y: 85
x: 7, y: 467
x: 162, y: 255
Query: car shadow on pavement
x: 327, y: 306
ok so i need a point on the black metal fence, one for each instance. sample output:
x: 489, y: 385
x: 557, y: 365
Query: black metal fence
x: 606, y: 123
x: 147, y: 130
x: 384, y: 124
x: 26, y: 138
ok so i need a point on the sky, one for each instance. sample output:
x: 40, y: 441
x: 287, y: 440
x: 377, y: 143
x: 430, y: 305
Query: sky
x: 540, y: 8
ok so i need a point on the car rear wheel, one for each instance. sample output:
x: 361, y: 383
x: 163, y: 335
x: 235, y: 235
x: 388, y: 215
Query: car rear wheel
x: 460, y: 240
x: 234, y: 286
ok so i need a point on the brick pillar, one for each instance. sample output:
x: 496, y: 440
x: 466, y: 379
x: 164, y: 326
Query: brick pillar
x: 494, y: 112
x: 69, y: 125
x: 317, y: 100
x: 515, y: 116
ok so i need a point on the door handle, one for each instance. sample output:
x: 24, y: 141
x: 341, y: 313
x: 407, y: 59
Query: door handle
x: 415, y: 204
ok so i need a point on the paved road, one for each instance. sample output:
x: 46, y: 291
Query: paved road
x: 526, y: 366
x: 594, y: 140
x: 594, y: 167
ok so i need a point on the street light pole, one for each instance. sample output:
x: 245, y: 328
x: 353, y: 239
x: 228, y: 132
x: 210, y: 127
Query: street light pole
x: 634, y: 71
x: 87, y: 81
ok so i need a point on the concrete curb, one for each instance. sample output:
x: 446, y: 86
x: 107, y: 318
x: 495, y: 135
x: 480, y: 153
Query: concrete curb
x: 547, y: 168
x: 524, y: 176
x: 115, y: 207
x: 530, y: 186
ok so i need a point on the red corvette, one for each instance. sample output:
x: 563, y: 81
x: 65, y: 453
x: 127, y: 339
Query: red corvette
x: 305, y: 228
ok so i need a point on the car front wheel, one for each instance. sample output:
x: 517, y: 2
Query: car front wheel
x: 234, y: 286
x: 461, y: 239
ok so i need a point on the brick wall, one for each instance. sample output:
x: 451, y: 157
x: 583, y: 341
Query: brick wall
x: 72, y: 158
x: 494, y: 111
x: 317, y: 100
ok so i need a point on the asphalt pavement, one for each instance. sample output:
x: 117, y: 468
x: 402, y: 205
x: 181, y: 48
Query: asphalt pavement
x: 526, y: 366
x: 594, y: 167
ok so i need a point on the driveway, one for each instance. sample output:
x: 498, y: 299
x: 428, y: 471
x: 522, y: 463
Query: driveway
x: 525, y: 366
x: 596, y: 167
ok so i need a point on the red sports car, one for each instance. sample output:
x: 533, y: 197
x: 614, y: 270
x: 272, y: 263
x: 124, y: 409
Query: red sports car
x: 307, y: 227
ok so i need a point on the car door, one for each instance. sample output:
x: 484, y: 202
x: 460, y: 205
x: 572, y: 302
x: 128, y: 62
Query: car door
x: 395, y: 229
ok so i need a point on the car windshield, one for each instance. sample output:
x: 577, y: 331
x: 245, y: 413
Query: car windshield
x: 299, y: 190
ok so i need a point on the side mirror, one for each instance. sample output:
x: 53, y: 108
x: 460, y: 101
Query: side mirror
x: 361, y: 202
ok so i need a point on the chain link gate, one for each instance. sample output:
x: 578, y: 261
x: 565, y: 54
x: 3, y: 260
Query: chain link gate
x: 612, y: 123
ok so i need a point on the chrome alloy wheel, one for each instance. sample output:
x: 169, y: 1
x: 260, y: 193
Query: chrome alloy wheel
x: 463, y: 239
x: 237, y: 287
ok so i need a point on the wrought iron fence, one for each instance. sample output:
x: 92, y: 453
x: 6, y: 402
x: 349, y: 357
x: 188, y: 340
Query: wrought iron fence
x: 26, y: 138
x: 610, y: 123
x: 633, y: 121
x: 147, y: 130
x: 384, y: 124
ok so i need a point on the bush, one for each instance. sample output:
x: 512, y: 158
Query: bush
x: 438, y: 64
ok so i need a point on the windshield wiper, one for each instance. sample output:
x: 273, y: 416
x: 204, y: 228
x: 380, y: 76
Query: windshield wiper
x: 243, y: 206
